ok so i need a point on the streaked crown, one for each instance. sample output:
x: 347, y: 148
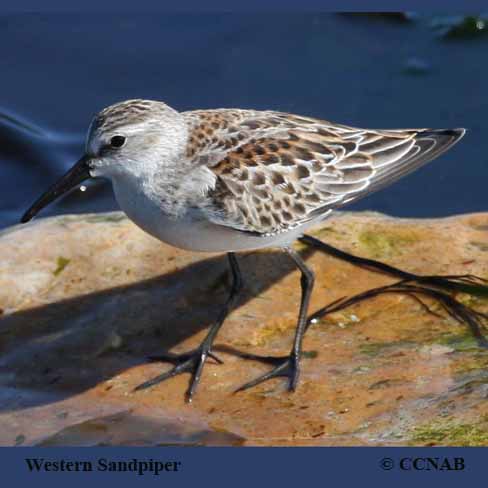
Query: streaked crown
x: 130, y: 112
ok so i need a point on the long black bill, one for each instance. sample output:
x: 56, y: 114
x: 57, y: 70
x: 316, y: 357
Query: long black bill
x: 78, y: 173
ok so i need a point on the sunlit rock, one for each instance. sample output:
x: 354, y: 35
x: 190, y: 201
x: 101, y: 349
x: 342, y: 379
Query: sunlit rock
x: 84, y: 299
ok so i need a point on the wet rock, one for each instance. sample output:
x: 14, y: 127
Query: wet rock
x: 87, y: 298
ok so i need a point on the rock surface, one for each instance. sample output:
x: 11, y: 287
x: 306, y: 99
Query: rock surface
x: 84, y: 299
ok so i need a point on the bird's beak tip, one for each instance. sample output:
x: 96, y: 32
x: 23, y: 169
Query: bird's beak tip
x: 78, y: 173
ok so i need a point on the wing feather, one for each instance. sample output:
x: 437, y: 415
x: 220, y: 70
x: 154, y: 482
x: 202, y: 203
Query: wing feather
x: 275, y: 171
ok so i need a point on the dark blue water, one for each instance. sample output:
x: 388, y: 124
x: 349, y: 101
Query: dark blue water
x: 58, y: 70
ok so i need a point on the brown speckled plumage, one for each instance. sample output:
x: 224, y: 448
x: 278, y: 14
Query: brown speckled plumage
x: 276, y: 171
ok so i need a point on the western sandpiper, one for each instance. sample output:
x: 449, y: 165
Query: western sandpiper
x: 237, y: 180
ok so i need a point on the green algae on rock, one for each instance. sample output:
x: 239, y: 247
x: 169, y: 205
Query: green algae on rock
x: 61, y: 262
x: 451, y: 433
x: 386, y: 244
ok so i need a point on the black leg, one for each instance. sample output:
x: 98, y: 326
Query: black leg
x: 193, y: 361
x: 290, y: 365
x: 410, y: 284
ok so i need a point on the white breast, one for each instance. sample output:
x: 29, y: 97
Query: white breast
x: 191, y: 232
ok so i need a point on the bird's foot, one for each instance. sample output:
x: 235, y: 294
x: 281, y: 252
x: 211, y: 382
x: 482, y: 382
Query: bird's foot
x: 287, y: 366
x: 188, y: 362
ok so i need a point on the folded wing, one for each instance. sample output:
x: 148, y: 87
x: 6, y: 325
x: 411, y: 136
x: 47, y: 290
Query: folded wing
x: 276, y: 171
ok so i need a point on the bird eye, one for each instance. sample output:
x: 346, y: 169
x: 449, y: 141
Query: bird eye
x: 117, y: 141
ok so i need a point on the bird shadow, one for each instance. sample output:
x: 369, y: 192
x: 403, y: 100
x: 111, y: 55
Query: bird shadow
x: 60, y: 349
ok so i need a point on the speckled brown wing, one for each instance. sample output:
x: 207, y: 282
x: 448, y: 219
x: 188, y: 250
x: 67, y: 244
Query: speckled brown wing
x: 275, y: 171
